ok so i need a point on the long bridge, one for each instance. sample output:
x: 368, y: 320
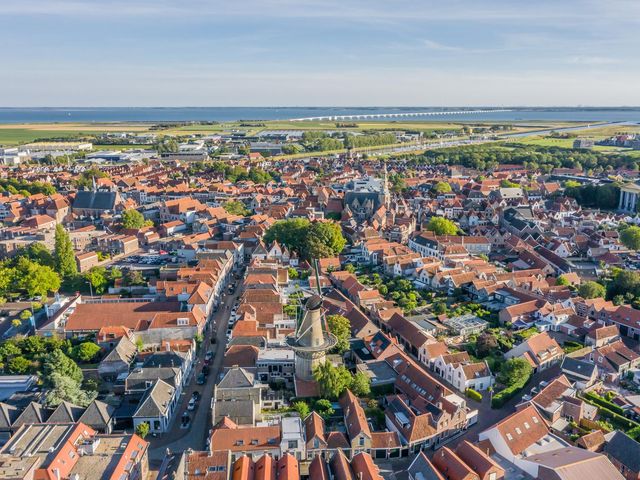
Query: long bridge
x: 366, y: 116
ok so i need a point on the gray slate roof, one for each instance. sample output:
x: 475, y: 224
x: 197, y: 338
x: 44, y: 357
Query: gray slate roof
x: 124, y: 351
x: 237, y: 377
x: 155, y: 401
x: 98, y: 415
x: 66, y: 413
x: 624, y: 449
x: 579, y: 368
x: 101, y: 200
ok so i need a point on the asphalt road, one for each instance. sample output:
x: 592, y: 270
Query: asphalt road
x: 178, y: 438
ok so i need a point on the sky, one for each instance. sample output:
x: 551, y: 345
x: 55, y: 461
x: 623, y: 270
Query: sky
x: 319, y: 52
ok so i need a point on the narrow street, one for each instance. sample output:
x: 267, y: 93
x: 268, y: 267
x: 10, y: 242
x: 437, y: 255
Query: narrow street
x: 194, y: 436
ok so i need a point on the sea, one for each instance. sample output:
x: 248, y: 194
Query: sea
x: 226, y: 114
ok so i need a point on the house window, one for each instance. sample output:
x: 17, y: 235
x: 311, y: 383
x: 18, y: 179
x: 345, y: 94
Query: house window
x: 362, y: 441
x: 293, y: 444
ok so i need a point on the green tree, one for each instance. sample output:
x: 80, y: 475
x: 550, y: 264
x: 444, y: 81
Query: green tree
x: 333, y: 381
x: 36, y: 279
x: 9, y: 349
x: 324, y: 408
x: 361, y: 384
x: 236, y: 207
x: 513, y: 371
x: 350, y: 268
x: 293, y: 273
x: 508, y: 184
x: 291, y: 232
x: 142, y: 430
x: 591, y: 289
x: 630, y: 237
x: 97, y: 277
x: 132, y: 218
x: 441, y: 187
x: 65, y: 261
x: 302, y: 408
x: 39, y: 253
x: 66, y: 389
x: 324, y: 239
x: 134, y: 277
x: 341, y: 328
x: 442, y: 226
x: 18, y: 365
x: 58, y: 362
x: 85, y: 352
x: 562, y: 281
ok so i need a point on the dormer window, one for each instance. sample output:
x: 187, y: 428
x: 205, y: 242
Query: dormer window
x: 183, y: 321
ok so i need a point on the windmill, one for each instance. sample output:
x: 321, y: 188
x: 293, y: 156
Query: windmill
x: 312, y: 338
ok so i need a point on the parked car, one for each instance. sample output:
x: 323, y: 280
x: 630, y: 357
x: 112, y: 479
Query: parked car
x: 205, y: 370
x: 192, y: 404
x: 196, y: 395
x: 209, y: 356
x: 202, y: 379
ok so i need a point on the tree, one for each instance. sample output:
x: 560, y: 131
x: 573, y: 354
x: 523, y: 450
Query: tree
x: 302, y: 408
x: 332, y: 380
x: 624, y: 282
x: 485, y: 344
x: 442, y: 226
x: 65, y: 262
x: 508, y: 184
x: 36, y: 279
x: 441, y: 187
x: 134, y: 277
x: 132, y: 218
x: 85, y: 352
x: 236, y: 207
x: 9, y: 349
x: 293, y: 273
x: 361, y: 384
x: 310, y: 240
x: 340, y: 326
x: 514, y: 371
x: 591, y: 289
x: 97, y: 277
x: 350, y: 268
x: 18, y: 365
x: 324, y: 408
x: 39, y: 253
x: 562, y: 281
x: 630, y: 237
x: 142, y: 430
x: 324, y: 239
x: 58, y: 362
x: 291, y: 232
x: 66, y: 389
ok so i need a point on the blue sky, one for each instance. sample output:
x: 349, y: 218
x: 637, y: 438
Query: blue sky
x: 319, y: 52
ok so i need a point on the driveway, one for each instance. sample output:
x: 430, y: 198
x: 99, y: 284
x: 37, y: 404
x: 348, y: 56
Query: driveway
x: 177, y: 438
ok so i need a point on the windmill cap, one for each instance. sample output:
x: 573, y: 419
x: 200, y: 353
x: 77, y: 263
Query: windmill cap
x: 314, y: 302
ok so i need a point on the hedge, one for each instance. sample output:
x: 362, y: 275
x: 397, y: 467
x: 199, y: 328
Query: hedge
x: 502, y: 397
x: 473, y: 394
x: 602, y: 402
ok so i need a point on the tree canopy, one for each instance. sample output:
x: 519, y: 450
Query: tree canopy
x: 333, y: 381
x: 591, y: 289
x: 65, y: 261
x: 341, y: 328
x: 310, y: 240
x: 441, y: 187
x: 236, y: 207
x: 513, y: 371
x: 132, y: 218
x: 630, y: 237
x: 442, y: 226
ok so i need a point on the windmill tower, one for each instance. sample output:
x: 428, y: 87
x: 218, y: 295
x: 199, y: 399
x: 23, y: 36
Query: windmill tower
x: 312, y: 340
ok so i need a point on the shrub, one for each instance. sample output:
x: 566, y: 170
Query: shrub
x: 473, y: 394
x: 601, y: 402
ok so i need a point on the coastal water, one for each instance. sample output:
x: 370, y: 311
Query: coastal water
x: 221, y: 114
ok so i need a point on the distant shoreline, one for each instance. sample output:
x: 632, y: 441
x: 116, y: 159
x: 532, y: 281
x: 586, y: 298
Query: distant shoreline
x: 18, y: 115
